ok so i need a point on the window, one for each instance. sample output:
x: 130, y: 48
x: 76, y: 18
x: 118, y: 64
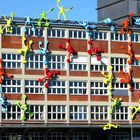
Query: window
x: 78, y: 112
x: 120, y: 89
x: 136, y: 136
x: 12, y: 61
x: 78, y: 88
x: 78, y: 64
x: 99, y: 112
x: 77, y: 34
x: 120, y: 136
x: 15, y: 31
x: 32, y: 86
x: 99, y: 88
x: 120, y: 114
x: 56, y: 33
x: 11, y: 136
x: 11, y: 86
x: 99, y: 65
x: 118, y: 37
x: 136, y: 63
x: 100, y: 35
x: 119, y: 64
x: 56, y: 112
x: 38, y: 112
x: 38, y: 32
x: 57, y: 87
x: 34, y: 136
x: 136, y: 86
x: 56, y: 62
x: 13, y: 113
x: 35, y: 61
x: 56, y: 136
x: 134, y: 37
x: 79, y: 136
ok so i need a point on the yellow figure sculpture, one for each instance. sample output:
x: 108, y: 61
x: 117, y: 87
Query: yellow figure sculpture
x: 109, y: 126
x: 62, y: 10
x: 109, y: 77
x: 116, y: 103
x: 135, y: 109
x: 8, y: 25
x: 26, y: 49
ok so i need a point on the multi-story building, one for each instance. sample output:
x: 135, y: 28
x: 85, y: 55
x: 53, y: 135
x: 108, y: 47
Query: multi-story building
x: 117, y: 10
x: 75, y: 106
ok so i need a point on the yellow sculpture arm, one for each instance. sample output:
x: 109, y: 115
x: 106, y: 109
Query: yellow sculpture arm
x: 67, y: 10
x: 58, y: 1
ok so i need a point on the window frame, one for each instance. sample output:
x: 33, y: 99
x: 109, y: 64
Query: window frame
x: 8, y: 86
x: 31, y: 64
x: 9, y: 59
x: 57, y: 87
x: 55, y: 64
x: 80, y: 115
x: 56, y: 111
x: 33, y: 84
x: 76, y: 89
x: 124, y: 66
x: 98, y: 88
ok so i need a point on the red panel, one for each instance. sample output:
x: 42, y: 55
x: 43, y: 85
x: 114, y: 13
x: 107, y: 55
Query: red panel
x: 125, y: 98
x: 14, y: 71
x: 34, y: 72
x: 78, y: 73
x: 14, y: 42
x: 136, y: 72
x: 79, y: 45
x: 54, y: 44
x: 136, y: 48
x: 99, y: 98
x: 62, y: 73
x: 78, y: 98
x: 115, y: 47
x: 136, y: 96
x: 13, y: 96
x: 137, y: 118
x: 53, y: 97
x: 35, y: 96
x: 35, y: 41
x: 96, y: 74
x: 102, y: 45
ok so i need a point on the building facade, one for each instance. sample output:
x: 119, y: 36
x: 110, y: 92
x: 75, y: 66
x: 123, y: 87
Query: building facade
x: 117, y: 10
x: 75, y: 106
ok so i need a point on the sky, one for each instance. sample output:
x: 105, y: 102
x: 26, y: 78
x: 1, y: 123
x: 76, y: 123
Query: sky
x: 84, y: 10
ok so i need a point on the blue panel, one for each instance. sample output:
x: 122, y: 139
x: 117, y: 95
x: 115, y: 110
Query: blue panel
x: 120, y: 92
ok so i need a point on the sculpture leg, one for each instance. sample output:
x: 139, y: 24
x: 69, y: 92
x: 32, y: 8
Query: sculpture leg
x: 64, y: 16
x: 9, y: 29
x: 46, y: 84
x: 24, y: 58
x: 45, y: 60
x: 39, y: 23
x: 59, y: 16
x: 47, y: 23
x: 68, y: 60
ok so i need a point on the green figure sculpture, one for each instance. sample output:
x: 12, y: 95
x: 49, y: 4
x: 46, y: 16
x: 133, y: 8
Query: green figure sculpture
x: 62, y: 10
x: 43, y: 18
x: 25, y: 109
x: 116, y: 103
x: 9, y: 23
x: 135, y: 109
